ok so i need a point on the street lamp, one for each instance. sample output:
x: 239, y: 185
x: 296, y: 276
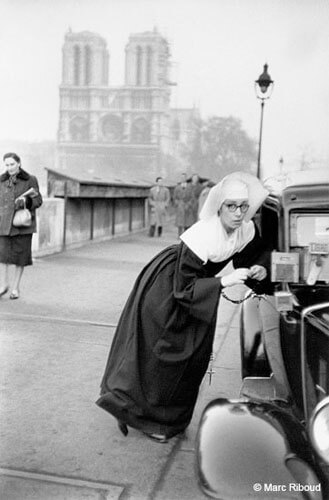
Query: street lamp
x: 263, y: 89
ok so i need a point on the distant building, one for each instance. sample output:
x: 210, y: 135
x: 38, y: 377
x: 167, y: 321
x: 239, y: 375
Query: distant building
x: 129, y: 130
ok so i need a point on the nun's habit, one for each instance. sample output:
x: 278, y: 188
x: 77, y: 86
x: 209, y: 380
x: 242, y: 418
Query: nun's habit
x: 163, y: 341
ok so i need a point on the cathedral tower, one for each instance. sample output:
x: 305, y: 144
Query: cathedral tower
x: 147, y: 60
x: 146, y: 79
x: 84, y: 85
x: 85, y: 60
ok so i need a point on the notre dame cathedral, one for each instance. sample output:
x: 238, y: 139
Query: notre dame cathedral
x: 126, y: 132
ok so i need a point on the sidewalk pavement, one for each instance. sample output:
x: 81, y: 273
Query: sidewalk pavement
x: 55, y: 443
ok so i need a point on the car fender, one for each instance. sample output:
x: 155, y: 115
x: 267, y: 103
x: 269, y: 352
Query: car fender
x: 245, y: 449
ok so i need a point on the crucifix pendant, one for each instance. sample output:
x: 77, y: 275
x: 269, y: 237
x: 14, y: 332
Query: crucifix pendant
x: 210, y: 370
x: 210, y: 373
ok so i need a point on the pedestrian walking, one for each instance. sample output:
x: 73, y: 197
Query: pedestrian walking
x: 18, y: 190
x: 207, y: 185
x: 163, y: 341
x: 159, y: 199
x: 197, y: 187
x: 183, y: 203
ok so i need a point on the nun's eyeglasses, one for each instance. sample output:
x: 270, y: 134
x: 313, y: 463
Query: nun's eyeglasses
x: 232, y: 207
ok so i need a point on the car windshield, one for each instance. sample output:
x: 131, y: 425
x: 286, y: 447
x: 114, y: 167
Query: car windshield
x: 309, y: 228
x: 309, y: 237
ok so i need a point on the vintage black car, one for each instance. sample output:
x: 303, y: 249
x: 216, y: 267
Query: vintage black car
x: 273, y: 442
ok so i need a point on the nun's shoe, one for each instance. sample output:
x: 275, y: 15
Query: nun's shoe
x: 159, y: 438
x: 14, y: 295
x: 123, y: 427
x: 4, y: 291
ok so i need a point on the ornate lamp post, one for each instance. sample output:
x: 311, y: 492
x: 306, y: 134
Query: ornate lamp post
x: 263, y: 89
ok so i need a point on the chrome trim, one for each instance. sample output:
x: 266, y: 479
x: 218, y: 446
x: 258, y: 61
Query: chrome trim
x: 318, y: 408
x: 304, y: 313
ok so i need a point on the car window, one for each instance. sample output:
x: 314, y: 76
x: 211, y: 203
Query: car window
x: 307, y: 228
x: 309, y: 237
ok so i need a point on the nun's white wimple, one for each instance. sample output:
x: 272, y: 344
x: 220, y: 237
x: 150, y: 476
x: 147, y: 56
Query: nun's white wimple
x: 207, y: 238
x: 233, y: 184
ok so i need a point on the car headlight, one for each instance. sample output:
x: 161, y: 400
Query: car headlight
x: 319, y: 429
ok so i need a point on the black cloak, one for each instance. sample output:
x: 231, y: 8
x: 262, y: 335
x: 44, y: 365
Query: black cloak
x: 163, y: 341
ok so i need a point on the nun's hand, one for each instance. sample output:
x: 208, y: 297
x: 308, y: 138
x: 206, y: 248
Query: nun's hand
x: 237, y: 277
x: 257, y: 272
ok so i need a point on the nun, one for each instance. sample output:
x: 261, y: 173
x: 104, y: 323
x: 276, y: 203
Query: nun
x: 163, y: 341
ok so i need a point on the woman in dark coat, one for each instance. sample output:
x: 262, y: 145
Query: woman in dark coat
x: 164, y: 338
x: 15, y: 242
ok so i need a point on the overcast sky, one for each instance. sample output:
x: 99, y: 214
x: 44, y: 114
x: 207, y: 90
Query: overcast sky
x: 218, y: 50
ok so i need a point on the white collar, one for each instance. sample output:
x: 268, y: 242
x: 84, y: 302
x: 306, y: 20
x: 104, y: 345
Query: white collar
x: 209, y: 240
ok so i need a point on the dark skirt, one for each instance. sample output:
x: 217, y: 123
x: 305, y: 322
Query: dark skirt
x: 163, y: 341
x: 16, y: 250
x: 162, y: 344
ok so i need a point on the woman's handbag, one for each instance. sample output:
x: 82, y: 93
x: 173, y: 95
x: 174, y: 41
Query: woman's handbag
x: 22, y: 217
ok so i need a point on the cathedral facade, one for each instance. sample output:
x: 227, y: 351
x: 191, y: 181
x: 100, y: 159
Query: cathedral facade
x: 128, y: 131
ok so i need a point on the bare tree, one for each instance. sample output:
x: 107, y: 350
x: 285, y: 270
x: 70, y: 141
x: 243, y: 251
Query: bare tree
x: 219, y: 146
